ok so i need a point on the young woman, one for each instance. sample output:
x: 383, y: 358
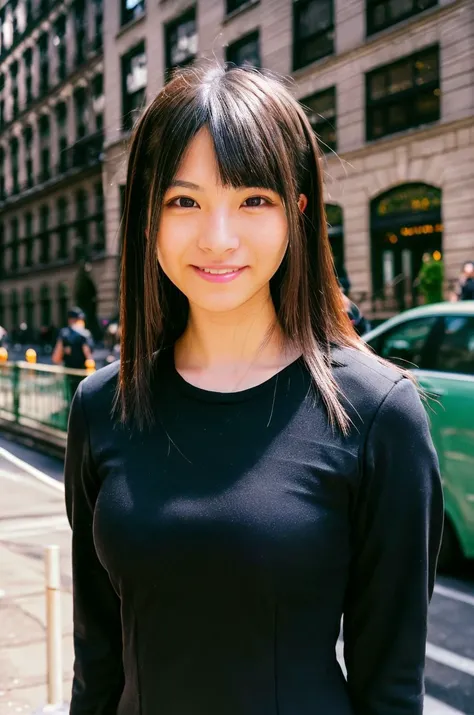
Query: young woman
x: 250, y: 473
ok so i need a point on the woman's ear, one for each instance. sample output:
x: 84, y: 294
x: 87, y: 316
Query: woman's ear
x: 302, y: 203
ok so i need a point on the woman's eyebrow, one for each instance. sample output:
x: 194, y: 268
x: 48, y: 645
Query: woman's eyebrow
x: 185, y: 185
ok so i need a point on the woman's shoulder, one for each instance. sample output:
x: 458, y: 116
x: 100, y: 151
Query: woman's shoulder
x: 100, y: 387
x: 365, y: 381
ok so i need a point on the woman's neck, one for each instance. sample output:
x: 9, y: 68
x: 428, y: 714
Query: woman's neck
x: 232, y: 351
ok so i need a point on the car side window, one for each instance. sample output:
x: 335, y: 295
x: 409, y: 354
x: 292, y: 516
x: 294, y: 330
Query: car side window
x: 455, y: 351
x: 405, y: 344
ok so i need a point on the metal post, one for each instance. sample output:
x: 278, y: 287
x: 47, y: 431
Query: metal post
x: 54, y: 626
x: 16, y: 391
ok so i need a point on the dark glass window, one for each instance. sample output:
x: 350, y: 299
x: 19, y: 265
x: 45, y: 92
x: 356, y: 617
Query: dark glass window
x: 384, y: 13
x: 28, y: 61
x: 233, y: 5
x: 14, y: 164
x: 80, y: 30
x: 2, y: 174
x: 62, y: 209
x: 60, y: 43
x: 28, y: 143
x: 98, y: 23
x: 134, y: 80
x: 44, y: 132
x: 2, y: 113
x: 313, y: 31
x: 403, y: 95
x: 44, y: 63
x: 44, y: 234
x: 82, y: 224
x: 29, y: 240
x: 181, y: 40
x: 15, y: 245
x: 321, y: 111
x: 406, y: 344
x: 455, y: 351
x: 80, y: 105
x: 245, y: 51
x: 131, y: 9
x: 14, y: 90
x: 99, y: 219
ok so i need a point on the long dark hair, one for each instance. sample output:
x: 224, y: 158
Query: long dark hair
x: 261, y: 137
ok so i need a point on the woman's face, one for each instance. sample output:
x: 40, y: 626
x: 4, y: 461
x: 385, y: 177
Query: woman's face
x: 219, y: 245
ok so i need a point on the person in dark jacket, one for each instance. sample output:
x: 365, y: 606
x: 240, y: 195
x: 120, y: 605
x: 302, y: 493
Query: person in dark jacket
x: 249, y: 472
x: 466, y: 283
x: 73, y: 346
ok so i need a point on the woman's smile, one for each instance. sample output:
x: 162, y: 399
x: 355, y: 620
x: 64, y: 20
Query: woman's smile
x: 222, y: 274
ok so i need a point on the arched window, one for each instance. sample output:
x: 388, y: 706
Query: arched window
x: 406, y: 223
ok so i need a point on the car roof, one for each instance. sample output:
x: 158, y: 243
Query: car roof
x: 462, y: 307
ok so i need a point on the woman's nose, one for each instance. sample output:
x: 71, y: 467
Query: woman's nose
x: 218, y: 234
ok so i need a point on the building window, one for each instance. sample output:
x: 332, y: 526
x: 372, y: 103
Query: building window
x: 14, y: 244
x: 313, y: 31
x: 29, y: 240
x: 403, y: 95
x: 2, y: 174
x: 181, y: 40
x: 82, y: 225
x: 59, y: 42
x: 245, y: 52
x: 14, y: 165
x: 79, y: 9
x: 63, y: 247
x: 14, y: 89
x: 44, y: 133
x: 44, y: 234
x: 28, y: 61
x: 99, y: 217
x: 2, y: 113
x: 28, y: 144
x: 80, y: 106
x: 385, y: 13
x: 321, y: 111
x: 98, y: 101
x: 233, y: 5
x: 131, y: 9
x: 98, y: 22
x: 2, y: 263
x: 61, y: 119
x: 134, y: 80
x: 44, y: 63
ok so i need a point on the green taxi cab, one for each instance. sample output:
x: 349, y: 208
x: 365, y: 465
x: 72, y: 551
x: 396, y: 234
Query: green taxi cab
x: 436, y: 342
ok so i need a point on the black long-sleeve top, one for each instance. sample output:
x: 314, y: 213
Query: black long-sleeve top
x: 214, y: 555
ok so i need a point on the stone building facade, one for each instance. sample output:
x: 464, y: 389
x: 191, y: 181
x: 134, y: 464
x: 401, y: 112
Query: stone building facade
x: 388, y: 86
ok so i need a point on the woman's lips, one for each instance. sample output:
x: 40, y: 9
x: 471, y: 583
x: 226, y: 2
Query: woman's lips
x: 219, y: 275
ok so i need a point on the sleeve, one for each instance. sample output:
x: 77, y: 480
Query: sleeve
x: 397, y: 530
x: 98, y: 668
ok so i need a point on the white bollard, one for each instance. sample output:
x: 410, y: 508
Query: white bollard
x: 54, y: 626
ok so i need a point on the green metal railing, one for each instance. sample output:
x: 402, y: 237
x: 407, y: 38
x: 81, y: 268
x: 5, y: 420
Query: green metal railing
x: 37, y: 395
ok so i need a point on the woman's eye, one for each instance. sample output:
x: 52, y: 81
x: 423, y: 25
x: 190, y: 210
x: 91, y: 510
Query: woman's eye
x: 256, y: 201
x: 182, y: 202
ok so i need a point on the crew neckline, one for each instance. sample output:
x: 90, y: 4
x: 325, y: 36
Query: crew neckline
x: 215, y: 396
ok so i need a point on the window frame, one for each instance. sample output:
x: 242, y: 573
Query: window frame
x: 127, y: 118
x: 169, y: 27
x: 370, y: 6
x: 332, y: 90
x: 297, y: 41
x: 241, y: 42
x: 406, y: 95
x: 128, y: 16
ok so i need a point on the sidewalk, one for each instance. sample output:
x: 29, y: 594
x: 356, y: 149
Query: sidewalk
x: 32, y: 516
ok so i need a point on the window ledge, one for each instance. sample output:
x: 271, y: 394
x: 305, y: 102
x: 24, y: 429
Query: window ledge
x: 128, y: 26
x: 402, y: 24
x: 240, y: 10
x: 401, y: 134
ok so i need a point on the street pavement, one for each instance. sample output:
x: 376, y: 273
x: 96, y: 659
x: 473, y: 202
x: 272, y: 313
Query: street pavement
x: 32, y: 516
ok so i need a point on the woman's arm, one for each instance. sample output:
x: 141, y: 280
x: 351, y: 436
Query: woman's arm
x: 98, y: 670
x: 397, y: 532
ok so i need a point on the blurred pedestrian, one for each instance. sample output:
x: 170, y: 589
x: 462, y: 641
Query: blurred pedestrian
x: 73, y: 347
x: 466, y: 282
x: 248, y: 472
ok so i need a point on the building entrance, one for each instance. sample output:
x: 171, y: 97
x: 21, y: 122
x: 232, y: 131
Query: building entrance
x: 406, y: 223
